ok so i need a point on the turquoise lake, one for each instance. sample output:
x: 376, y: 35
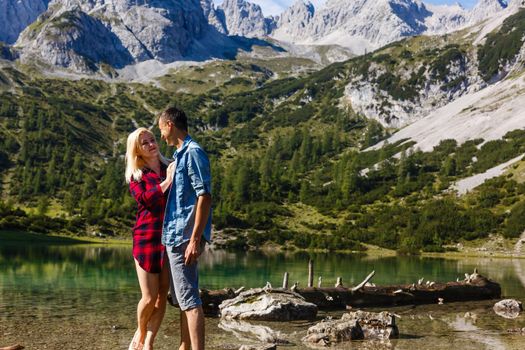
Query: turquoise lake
x: 84, y: 297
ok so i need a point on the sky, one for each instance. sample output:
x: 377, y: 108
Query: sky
x: 276, y: 7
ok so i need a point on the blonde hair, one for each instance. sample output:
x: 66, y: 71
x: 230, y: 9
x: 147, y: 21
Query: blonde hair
x: 134, y: 162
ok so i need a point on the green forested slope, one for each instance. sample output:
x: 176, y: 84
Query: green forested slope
x: 287, y: 156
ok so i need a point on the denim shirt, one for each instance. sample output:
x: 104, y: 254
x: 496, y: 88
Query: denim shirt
x: 192, y: 179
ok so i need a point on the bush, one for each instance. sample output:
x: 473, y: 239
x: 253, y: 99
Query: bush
x: 515, y: 224
x: 239, y: 243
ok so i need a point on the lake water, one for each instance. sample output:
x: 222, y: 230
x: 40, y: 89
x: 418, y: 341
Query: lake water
x: 84, y: 297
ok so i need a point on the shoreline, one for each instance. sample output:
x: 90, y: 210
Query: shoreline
x: 13, y: 236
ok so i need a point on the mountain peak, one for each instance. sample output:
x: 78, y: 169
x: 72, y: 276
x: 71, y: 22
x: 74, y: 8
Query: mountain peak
x: 486, y: 8
x: 245, y: 19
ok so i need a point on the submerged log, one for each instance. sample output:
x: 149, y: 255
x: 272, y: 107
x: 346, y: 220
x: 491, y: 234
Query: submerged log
x: 474, y: 287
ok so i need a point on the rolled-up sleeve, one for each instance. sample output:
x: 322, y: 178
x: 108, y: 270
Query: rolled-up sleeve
x: 199, y: 171
x: 148, y: 198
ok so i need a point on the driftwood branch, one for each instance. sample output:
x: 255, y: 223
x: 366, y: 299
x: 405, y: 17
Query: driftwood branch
x: 339, y: 282
x: 310, y: 273
x: 285, y: 280
x: 365, y: 281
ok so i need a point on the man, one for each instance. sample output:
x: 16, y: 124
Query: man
x: 187, y: 223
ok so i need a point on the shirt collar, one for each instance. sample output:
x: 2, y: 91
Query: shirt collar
x: 185, y: 143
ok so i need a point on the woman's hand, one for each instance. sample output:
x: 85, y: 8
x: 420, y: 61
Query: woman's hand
x: 170, y: 172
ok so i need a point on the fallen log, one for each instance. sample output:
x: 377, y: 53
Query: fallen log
x: 474, y: 287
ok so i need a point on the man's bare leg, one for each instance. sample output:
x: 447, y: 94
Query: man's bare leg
x: 195, y: 325
x: 185, y: 340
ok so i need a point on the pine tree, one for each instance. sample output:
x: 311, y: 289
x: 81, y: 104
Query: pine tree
x: 241, y: 184
x: 294, y: 168
x: 305, y: 151
x: 76, y: 169
x: 43, y: 205
x: 51, y: 175
x: 69, y: 203
x: 449, y: 167
x: 350, y: 179
x: 402, y: 168
x: 37, y: 181
x: 304, y: 192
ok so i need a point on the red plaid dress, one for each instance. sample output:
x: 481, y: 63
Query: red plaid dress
x: 147, y: 232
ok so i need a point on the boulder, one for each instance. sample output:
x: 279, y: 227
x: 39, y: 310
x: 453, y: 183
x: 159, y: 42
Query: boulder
x: 508, y: 308
x: 268, y: 305
x: 353, y: 326
x: 375, y: 325
x: 329, y: 332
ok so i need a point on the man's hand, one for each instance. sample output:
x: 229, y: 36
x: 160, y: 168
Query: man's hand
x: 192, y: 252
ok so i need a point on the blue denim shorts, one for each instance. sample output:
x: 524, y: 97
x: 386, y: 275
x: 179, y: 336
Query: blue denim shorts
x: 184, y: 279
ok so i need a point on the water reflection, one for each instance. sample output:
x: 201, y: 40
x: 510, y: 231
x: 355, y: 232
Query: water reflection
x: 102, y: 267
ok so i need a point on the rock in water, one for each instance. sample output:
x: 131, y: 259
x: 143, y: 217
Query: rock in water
x: 375, y: 325
x: 268, y: 305
x: 259, y: 347
x: 353, y: 326
x: 244, y: 330
x: 508, y: 308
x: 331, y: 332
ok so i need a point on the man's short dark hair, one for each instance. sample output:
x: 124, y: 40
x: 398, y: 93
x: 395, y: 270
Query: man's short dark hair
x: 177, y: 117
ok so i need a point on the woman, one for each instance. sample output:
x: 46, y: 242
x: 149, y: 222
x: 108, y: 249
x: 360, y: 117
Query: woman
x: 149, y: 178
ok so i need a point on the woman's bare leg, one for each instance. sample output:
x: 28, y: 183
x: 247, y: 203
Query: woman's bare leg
x: 160, y: 306
x: 149, y: 286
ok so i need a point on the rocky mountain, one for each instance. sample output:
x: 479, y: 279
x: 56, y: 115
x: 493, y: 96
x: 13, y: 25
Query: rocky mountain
x: 16, y: 15
x: 466, y: 118
x: 366, y: 25
x: 294, y: 20
x: 84, y: 35
x: 427, y: 79
x: 243, y: 18
x: 215, y: 16
x: 75, y: 39
x: 485, y: 9
x: 446, y: 18
x: 78, y: 34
